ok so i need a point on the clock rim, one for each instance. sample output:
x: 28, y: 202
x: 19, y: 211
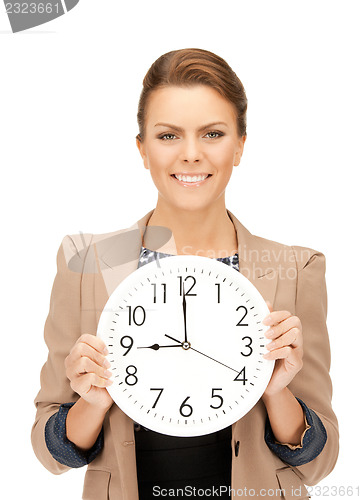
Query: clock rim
x: 196, y: 430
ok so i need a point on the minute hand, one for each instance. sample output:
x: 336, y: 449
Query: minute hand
x: 202, y: 353
x: 185, y: 316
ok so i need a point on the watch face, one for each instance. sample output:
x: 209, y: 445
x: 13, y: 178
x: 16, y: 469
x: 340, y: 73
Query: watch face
x: 186, y: 344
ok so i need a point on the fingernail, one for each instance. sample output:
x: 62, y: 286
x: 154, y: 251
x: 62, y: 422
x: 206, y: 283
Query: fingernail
x: 269, y: 333
x: 105, y: 351
x: 106, y: 363
x: 267, y: 320
x: 107, y: 373
x: 270, y: 345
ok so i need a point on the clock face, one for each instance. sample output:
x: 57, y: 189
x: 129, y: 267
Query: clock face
x: 186, y: 344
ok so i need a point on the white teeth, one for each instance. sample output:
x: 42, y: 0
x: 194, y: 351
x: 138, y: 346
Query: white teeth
x: 187, y: 178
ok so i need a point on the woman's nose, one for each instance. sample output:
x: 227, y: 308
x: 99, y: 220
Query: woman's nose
x: 191, y: 150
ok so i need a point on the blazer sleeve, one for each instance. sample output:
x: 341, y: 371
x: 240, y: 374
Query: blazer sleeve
x: 62, y: 329
x: 312, y: 384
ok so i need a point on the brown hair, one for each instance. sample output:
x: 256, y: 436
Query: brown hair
x: 188, y: 67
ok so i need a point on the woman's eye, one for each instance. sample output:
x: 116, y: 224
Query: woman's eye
x: 216, y: 134
x: 163, y: 137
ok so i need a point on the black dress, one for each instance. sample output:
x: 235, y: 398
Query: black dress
x: 191, y: 463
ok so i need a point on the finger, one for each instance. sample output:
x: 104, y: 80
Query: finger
x: 94, y: 342
x: 84, y: 384
x: 83, y: 349
x: 282, y: 353
x: 291, y: 338
x: 86, y: 365
x: 276, y: 330
x: 79, y: 354
x: 275, y: 317
x: 290, y: 357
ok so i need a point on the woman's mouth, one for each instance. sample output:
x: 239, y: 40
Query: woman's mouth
x: 191, y: 180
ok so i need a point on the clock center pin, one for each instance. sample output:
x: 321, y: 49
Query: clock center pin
x: 186, y: 345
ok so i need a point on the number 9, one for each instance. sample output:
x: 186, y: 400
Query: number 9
x: 128, y: 347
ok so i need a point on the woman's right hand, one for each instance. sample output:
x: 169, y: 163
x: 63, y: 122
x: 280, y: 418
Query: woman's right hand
x: 86, y: 367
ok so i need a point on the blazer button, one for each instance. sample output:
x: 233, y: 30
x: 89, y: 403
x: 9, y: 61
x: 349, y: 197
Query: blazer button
x: 236, y: 448
x: 128, y: 443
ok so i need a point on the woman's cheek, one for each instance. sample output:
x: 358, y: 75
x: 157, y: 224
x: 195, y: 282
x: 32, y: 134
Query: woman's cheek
x: 222, y: 155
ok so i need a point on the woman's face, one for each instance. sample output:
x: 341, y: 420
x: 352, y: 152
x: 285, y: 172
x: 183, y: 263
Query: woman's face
x: 190, y: 132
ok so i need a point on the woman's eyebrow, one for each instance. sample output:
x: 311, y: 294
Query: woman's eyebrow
x: 179, y: 129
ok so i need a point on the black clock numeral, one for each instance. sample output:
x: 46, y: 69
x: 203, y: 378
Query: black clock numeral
x: 131, y: 375
x: 181, y: 286
x: 132, y: 315
x: 243, y: 379
x: 157, y: 399
x: 185, y: 405
x: 243, y: 317
x: 247, y: 345
x: 218, y: 285
x: 162, y: 284
x: 216, y: 396
x: 130, y: 344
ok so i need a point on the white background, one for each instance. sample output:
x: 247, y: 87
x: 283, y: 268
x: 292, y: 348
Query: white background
x: 68, y: 100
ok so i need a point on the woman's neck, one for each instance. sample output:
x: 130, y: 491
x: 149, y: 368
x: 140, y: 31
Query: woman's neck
x: 208, y: 233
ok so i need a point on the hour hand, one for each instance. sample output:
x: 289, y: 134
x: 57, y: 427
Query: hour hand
x: 156, y: 347
x: 176, y: 340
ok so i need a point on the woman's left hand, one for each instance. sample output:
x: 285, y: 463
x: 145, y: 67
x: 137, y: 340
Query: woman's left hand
x: 286, y: 347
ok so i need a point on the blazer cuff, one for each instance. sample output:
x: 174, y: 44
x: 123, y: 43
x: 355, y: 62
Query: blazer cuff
x: 59, y: 446
x: 300, y: 445
x: 312, y: 442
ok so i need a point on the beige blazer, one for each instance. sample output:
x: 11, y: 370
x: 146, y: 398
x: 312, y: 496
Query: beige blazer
x: 90, y: 266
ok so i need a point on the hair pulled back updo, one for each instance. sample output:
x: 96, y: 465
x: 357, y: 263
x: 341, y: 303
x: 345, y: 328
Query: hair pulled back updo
x: 188, y: 67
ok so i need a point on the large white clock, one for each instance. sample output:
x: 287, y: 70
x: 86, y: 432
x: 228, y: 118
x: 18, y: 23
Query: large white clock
x: 186, y: 344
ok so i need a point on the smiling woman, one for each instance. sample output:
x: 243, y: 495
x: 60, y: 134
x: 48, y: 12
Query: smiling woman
x: 190, y: 146
x: 191, y: 162
x: 192, y: 132
x: 192, y: 121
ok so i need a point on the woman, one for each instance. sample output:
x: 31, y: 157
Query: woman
x: 192, y: 131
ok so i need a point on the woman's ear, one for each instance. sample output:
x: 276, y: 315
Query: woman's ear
x: 239, y: 152
x: 141, y: 149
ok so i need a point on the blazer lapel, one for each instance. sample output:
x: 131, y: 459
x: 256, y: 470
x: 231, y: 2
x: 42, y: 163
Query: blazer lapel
x: 254, y: 261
